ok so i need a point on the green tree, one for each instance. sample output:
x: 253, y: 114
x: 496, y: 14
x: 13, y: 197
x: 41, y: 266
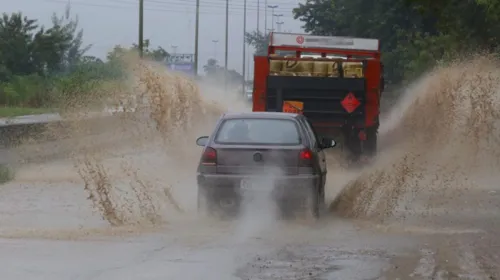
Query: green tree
x: 235, y: 76
x: 473, y: 23
x: 414, y: 34
x: 215, y: 72
x: 71, y: 39
x: 258, y: 40
x: 211, y: 67
x: 159, y: 54
x: 394, y: 23
x: 17, y: 34
x: 27, y: 48
x: 33, y: 59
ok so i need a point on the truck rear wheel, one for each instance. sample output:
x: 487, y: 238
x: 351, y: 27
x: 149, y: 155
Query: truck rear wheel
x: 353, y: 145
x: 370, y: 144
x: 357, y: 147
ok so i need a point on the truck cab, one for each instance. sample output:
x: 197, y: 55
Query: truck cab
x: 336, y: 82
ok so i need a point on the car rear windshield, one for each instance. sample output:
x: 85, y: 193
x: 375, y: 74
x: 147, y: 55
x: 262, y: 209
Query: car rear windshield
x: 258, y: 132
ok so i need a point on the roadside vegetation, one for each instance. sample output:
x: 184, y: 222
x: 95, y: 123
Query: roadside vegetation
x: 44, y: 68
x: 6, y: 112
x: 6, y: 174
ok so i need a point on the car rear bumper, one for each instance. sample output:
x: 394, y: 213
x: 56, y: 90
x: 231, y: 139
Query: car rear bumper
x: 277, y: 186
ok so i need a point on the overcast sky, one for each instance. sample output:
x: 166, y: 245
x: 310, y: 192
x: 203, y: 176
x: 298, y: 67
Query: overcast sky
x: 167, y: 23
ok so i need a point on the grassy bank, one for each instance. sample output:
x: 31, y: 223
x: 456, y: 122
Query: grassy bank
x: 6, y: 174
x: 7, y: 112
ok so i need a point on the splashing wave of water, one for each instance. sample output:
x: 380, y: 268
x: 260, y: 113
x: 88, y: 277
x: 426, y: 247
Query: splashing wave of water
x: 441, y: 141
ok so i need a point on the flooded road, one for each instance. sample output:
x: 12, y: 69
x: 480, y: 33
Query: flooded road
x: 121, y: 204
x: 51, y: 231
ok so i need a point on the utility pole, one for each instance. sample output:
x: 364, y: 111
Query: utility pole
x: 275, y: 15
x: 227, y: 44
x: 269, y: 30
x: 244, y: 43
x: 248, y: 68
x: 173, y: 57
x: 258, y: 16
x: 215, y: 48
x: 196, y: 33
x: 190, y: 22
x: 279, y: 23
x: 265, y: 16
x: 141, y: 28
x: 272, y: 7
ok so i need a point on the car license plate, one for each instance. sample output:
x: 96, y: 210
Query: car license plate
x: 252, y: 184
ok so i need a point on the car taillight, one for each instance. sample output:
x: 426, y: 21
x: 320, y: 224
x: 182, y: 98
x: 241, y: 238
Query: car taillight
x: 209, y: 156
x: 305, y: 157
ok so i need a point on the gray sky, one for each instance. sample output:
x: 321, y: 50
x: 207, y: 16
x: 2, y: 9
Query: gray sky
x: 167, y: 22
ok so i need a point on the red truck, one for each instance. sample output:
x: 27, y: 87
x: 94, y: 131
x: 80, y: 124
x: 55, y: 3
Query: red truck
x: 336, y: 82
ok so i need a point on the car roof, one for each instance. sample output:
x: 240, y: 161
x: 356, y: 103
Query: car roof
x: 257, y: 115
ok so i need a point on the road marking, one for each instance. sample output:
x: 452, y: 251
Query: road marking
x: 428, y: 230
x: 426, y: 265
x: 468, y: 264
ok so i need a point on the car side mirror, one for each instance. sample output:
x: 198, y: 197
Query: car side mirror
x: 202, y: 141
x: 328, y: 143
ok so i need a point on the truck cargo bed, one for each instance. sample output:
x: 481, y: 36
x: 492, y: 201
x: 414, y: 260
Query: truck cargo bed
x: 321, y: 96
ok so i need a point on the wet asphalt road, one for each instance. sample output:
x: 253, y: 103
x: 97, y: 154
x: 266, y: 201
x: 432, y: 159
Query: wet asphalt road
x: 49, y: 230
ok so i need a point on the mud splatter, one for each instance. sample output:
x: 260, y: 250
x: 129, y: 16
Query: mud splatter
x: 165, y: 113
x: 441, y: 141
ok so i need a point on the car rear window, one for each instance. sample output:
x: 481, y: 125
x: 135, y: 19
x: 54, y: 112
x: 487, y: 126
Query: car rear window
x: 258, y: 132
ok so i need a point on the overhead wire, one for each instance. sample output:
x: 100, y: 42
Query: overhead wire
x: 216, y: 2
x: 183, y: 6
x: 175, y: 7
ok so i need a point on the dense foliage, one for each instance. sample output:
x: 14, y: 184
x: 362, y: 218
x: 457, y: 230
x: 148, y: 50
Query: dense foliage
x: 415, y: 34
x: 43, y: 67
x: 215, y: 72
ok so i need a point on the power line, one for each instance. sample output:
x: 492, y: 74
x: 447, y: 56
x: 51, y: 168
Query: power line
x: 211, y: 2
x: 234, y: 10
x: 220, y: 1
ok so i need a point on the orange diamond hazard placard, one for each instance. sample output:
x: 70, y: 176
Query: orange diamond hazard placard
x: 350, y: 102
x: 296, y: 107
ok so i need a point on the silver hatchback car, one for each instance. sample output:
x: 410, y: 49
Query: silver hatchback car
x: 262, y: 151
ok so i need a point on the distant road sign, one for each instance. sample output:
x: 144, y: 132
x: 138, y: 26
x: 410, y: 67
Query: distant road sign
x: 181, y: 62
x: 180, y: 58
x: 186, y: 68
